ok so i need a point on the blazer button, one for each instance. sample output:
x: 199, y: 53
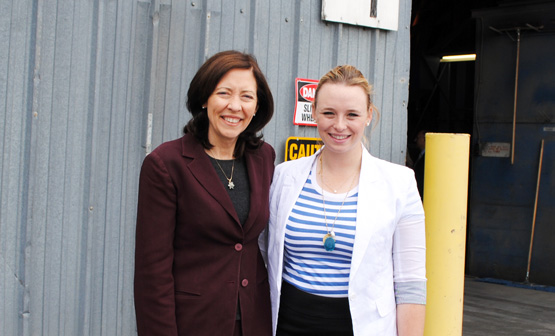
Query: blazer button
x: 238, y: 247
x: 245, y: 283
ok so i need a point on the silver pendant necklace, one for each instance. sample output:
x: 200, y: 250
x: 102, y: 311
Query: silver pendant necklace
x: 329, y: 237
x: 229, y: 179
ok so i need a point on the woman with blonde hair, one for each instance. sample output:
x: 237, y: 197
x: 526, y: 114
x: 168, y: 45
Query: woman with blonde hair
x: 346, y: 242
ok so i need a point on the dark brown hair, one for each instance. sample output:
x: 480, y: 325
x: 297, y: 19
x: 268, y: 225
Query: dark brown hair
x: 203, y: 85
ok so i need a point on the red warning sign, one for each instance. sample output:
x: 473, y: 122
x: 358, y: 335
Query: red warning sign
x: 304, y: 96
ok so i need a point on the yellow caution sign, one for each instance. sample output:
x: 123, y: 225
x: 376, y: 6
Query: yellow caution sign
x: 297, y: 147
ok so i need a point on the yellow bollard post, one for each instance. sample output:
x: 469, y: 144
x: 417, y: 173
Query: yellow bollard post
x: 445, y: 204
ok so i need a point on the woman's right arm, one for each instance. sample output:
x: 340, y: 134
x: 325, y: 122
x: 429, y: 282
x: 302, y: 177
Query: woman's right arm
x: 156, y: 217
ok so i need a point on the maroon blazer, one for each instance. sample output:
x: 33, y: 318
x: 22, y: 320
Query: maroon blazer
x: 193, y: 259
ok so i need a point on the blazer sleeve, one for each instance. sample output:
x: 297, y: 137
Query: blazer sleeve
x: 156, y: 218
x: 409, y: 240
x: 263, y: 238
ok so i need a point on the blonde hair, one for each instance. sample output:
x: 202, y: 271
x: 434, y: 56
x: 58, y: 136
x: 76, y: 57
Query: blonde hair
x: 350, y: 76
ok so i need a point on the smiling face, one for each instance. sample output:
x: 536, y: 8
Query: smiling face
x: 231, y: 106
x: 341, y: 115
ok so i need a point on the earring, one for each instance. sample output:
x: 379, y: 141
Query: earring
x: 254, y: 115
x: 367, y: 123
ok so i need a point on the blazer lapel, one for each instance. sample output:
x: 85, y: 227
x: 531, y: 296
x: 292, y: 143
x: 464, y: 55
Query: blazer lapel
x: 201, y: 168
x: 256, y: 172
x: 367, y: 210
x: 291, y: 187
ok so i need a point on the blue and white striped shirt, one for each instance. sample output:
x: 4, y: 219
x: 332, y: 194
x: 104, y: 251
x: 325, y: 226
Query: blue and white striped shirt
x: 307, y: 265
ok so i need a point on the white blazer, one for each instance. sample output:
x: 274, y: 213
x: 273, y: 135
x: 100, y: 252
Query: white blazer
x: 389, y: 241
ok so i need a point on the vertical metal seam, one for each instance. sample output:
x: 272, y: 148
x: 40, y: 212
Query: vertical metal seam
x: 153, y: 72
x: 26, y: 314
x: 515, y: 96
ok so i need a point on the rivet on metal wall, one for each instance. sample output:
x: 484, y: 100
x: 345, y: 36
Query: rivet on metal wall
x: 156, y: 18
x: 241, y: 11
x: 193, y: 4
x: 91, y: 208
x: 286, y: 19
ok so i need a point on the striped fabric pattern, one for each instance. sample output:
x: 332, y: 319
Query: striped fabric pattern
x: 307, y: 265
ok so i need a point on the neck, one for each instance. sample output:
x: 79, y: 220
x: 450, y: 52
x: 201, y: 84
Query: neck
x: 337, y: 171
x: 222, y: 150
x: 220, y: 154
x: 342, y: 163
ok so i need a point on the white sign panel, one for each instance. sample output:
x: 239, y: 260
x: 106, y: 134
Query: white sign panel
x: 383, y: 14
x: 496, y: 149
x: 304, y: 96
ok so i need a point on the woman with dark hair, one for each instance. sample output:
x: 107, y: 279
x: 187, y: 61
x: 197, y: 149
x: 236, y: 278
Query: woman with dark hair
x: 203, y: 201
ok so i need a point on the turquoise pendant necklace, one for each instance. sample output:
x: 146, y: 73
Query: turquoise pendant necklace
x: 329, y: 237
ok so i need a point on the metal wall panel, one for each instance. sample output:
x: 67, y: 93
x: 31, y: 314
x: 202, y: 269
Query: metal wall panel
x: 289, y: 40
x: 502, y: 204
x: 88, y: 87
x: 15, y: 114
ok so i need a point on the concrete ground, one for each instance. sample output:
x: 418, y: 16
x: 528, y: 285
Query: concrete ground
x: 499, y: 309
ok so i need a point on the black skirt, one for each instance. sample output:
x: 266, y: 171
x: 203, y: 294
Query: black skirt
x: 301, y: 313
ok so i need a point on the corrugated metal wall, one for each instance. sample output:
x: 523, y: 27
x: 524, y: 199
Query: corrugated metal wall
x: 79, y: 82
